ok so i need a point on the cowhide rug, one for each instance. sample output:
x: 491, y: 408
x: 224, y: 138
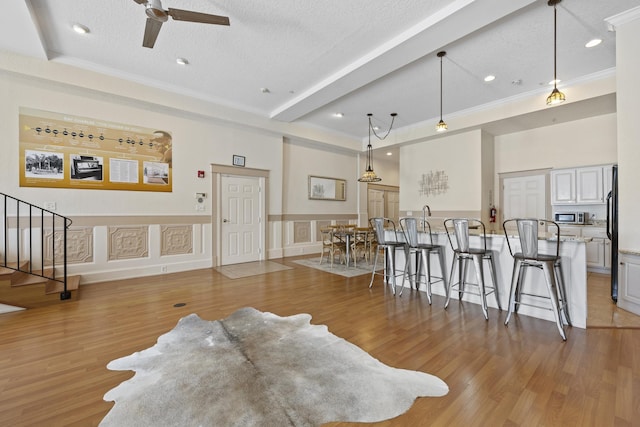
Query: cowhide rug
x: 259, y: 369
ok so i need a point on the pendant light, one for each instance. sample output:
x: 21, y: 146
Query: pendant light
x: 556, y: 97
x: 441, y: 126
x: 369, y: 175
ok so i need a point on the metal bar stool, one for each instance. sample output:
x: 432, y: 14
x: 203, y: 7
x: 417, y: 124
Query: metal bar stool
x: 550, y: 264
x: 463, y: 253
x: 423, y: 252
x: 389, y: 247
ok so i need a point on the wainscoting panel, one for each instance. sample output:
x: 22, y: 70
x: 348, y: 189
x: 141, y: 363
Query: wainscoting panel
x: 79, y: 245
x: 301, y: 232
x: 176, y: 239
x: 128, y: 242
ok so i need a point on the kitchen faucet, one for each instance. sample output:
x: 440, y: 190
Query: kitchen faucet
x: 426, y: 211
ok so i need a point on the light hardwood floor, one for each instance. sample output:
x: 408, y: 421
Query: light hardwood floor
x: 53, y: 357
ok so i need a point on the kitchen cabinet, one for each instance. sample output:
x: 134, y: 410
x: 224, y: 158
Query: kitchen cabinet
x: 563, y: 186
x: 598, y: 249
x: 629, y: 282
x: 580, y: 186
x: 589, y: 185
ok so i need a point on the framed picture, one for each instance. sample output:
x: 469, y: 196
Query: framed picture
x: 324, y: 188
x: 238, y: 160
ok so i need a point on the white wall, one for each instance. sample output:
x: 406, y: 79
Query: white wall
x: 196, y: 144
x: 300, y: 161
x: 584, y: 142
x: 628, y: 65
x: 459, y: 156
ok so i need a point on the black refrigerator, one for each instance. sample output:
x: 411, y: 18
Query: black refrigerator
x: 612, y: 230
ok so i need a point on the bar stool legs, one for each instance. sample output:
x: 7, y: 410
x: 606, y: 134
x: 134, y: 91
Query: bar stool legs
x: 423, y: 270
x: 555, y: 287
x: 463, y: 265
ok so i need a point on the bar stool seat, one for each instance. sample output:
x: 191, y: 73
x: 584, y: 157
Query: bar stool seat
x: 550, y: 264
x: 389, y: 247
x: 423, y: 252
x: 462, y: 254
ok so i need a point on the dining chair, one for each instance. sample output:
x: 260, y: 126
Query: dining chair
x: 360, y: 244
x: 330, y: 246
x: 550, y: 264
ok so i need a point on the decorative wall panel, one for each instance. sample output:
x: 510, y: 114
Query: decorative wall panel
x: 176, y: 239
x: 319, y: 226
x: 301, y: 231
x: 79, y: 246
x: 128, y: 242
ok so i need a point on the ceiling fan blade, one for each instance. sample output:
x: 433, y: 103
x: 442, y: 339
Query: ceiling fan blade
x: 205, y: 18
x: 151, y: 31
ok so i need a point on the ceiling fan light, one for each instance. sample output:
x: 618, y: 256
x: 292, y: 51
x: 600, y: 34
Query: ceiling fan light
x: 154, y: 10
x: 556, y: 97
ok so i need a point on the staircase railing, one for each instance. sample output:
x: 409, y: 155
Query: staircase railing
x: 34, y: 241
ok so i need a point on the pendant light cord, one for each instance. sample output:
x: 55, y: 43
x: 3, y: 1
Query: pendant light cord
x: 555, y: 44
x: 393, y: 118
x: 441, y: 88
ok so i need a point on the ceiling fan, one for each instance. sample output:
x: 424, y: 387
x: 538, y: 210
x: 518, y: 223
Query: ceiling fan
x: 156, y: 16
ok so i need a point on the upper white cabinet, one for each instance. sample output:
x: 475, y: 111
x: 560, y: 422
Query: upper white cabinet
x: 589, y: 185
x: 563, y: 187
x: 580, y: 186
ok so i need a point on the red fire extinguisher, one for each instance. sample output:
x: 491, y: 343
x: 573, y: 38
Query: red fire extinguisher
x: 492, y: 214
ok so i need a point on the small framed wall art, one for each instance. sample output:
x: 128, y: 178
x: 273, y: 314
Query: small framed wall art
x: 238, y: 160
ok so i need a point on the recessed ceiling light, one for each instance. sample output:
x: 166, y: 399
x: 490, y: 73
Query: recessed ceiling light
x: 592, y: 43
x: 376, y: 128
x: 389, y: 153
x: 554, y: 82
x: 182, y: 61
x: 80, y: 29
x: 338, y: 115
x: 490, y: 78
x: 265, y: 90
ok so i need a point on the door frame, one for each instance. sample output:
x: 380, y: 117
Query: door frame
x: 216, y: 236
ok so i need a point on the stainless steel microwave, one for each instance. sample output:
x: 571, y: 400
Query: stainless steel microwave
x: 571, y: 217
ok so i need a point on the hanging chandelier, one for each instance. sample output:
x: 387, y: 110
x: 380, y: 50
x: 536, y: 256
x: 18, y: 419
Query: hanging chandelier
x: 441, y: 126
x: 369, y: 174
x: 556, y: 97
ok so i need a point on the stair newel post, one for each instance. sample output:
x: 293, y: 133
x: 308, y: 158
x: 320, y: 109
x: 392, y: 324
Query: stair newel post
x: 30, y: 238
x: 6, y: 230
x: 42, y: 238
x: 65, y: 294
x: 18, y: 234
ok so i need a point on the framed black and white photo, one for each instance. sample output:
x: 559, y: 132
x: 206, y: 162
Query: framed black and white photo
x: 238, y: 160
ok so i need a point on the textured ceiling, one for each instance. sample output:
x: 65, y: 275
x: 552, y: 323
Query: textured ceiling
x: 318, y: 58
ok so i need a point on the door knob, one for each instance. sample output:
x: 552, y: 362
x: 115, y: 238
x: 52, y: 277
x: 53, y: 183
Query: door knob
x: 225, y: 220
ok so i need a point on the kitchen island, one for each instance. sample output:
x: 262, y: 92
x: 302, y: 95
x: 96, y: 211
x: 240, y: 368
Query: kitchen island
x: 574, y: 267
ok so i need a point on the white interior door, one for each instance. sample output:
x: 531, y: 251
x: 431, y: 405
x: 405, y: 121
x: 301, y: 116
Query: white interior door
x: 392, y: 205
x: 525, y: 197
x: 240, y: 226
x: 376, y: 203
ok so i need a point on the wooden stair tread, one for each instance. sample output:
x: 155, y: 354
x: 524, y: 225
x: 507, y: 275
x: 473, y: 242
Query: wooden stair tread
x: 53, y: 286
x: 20, y: 278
